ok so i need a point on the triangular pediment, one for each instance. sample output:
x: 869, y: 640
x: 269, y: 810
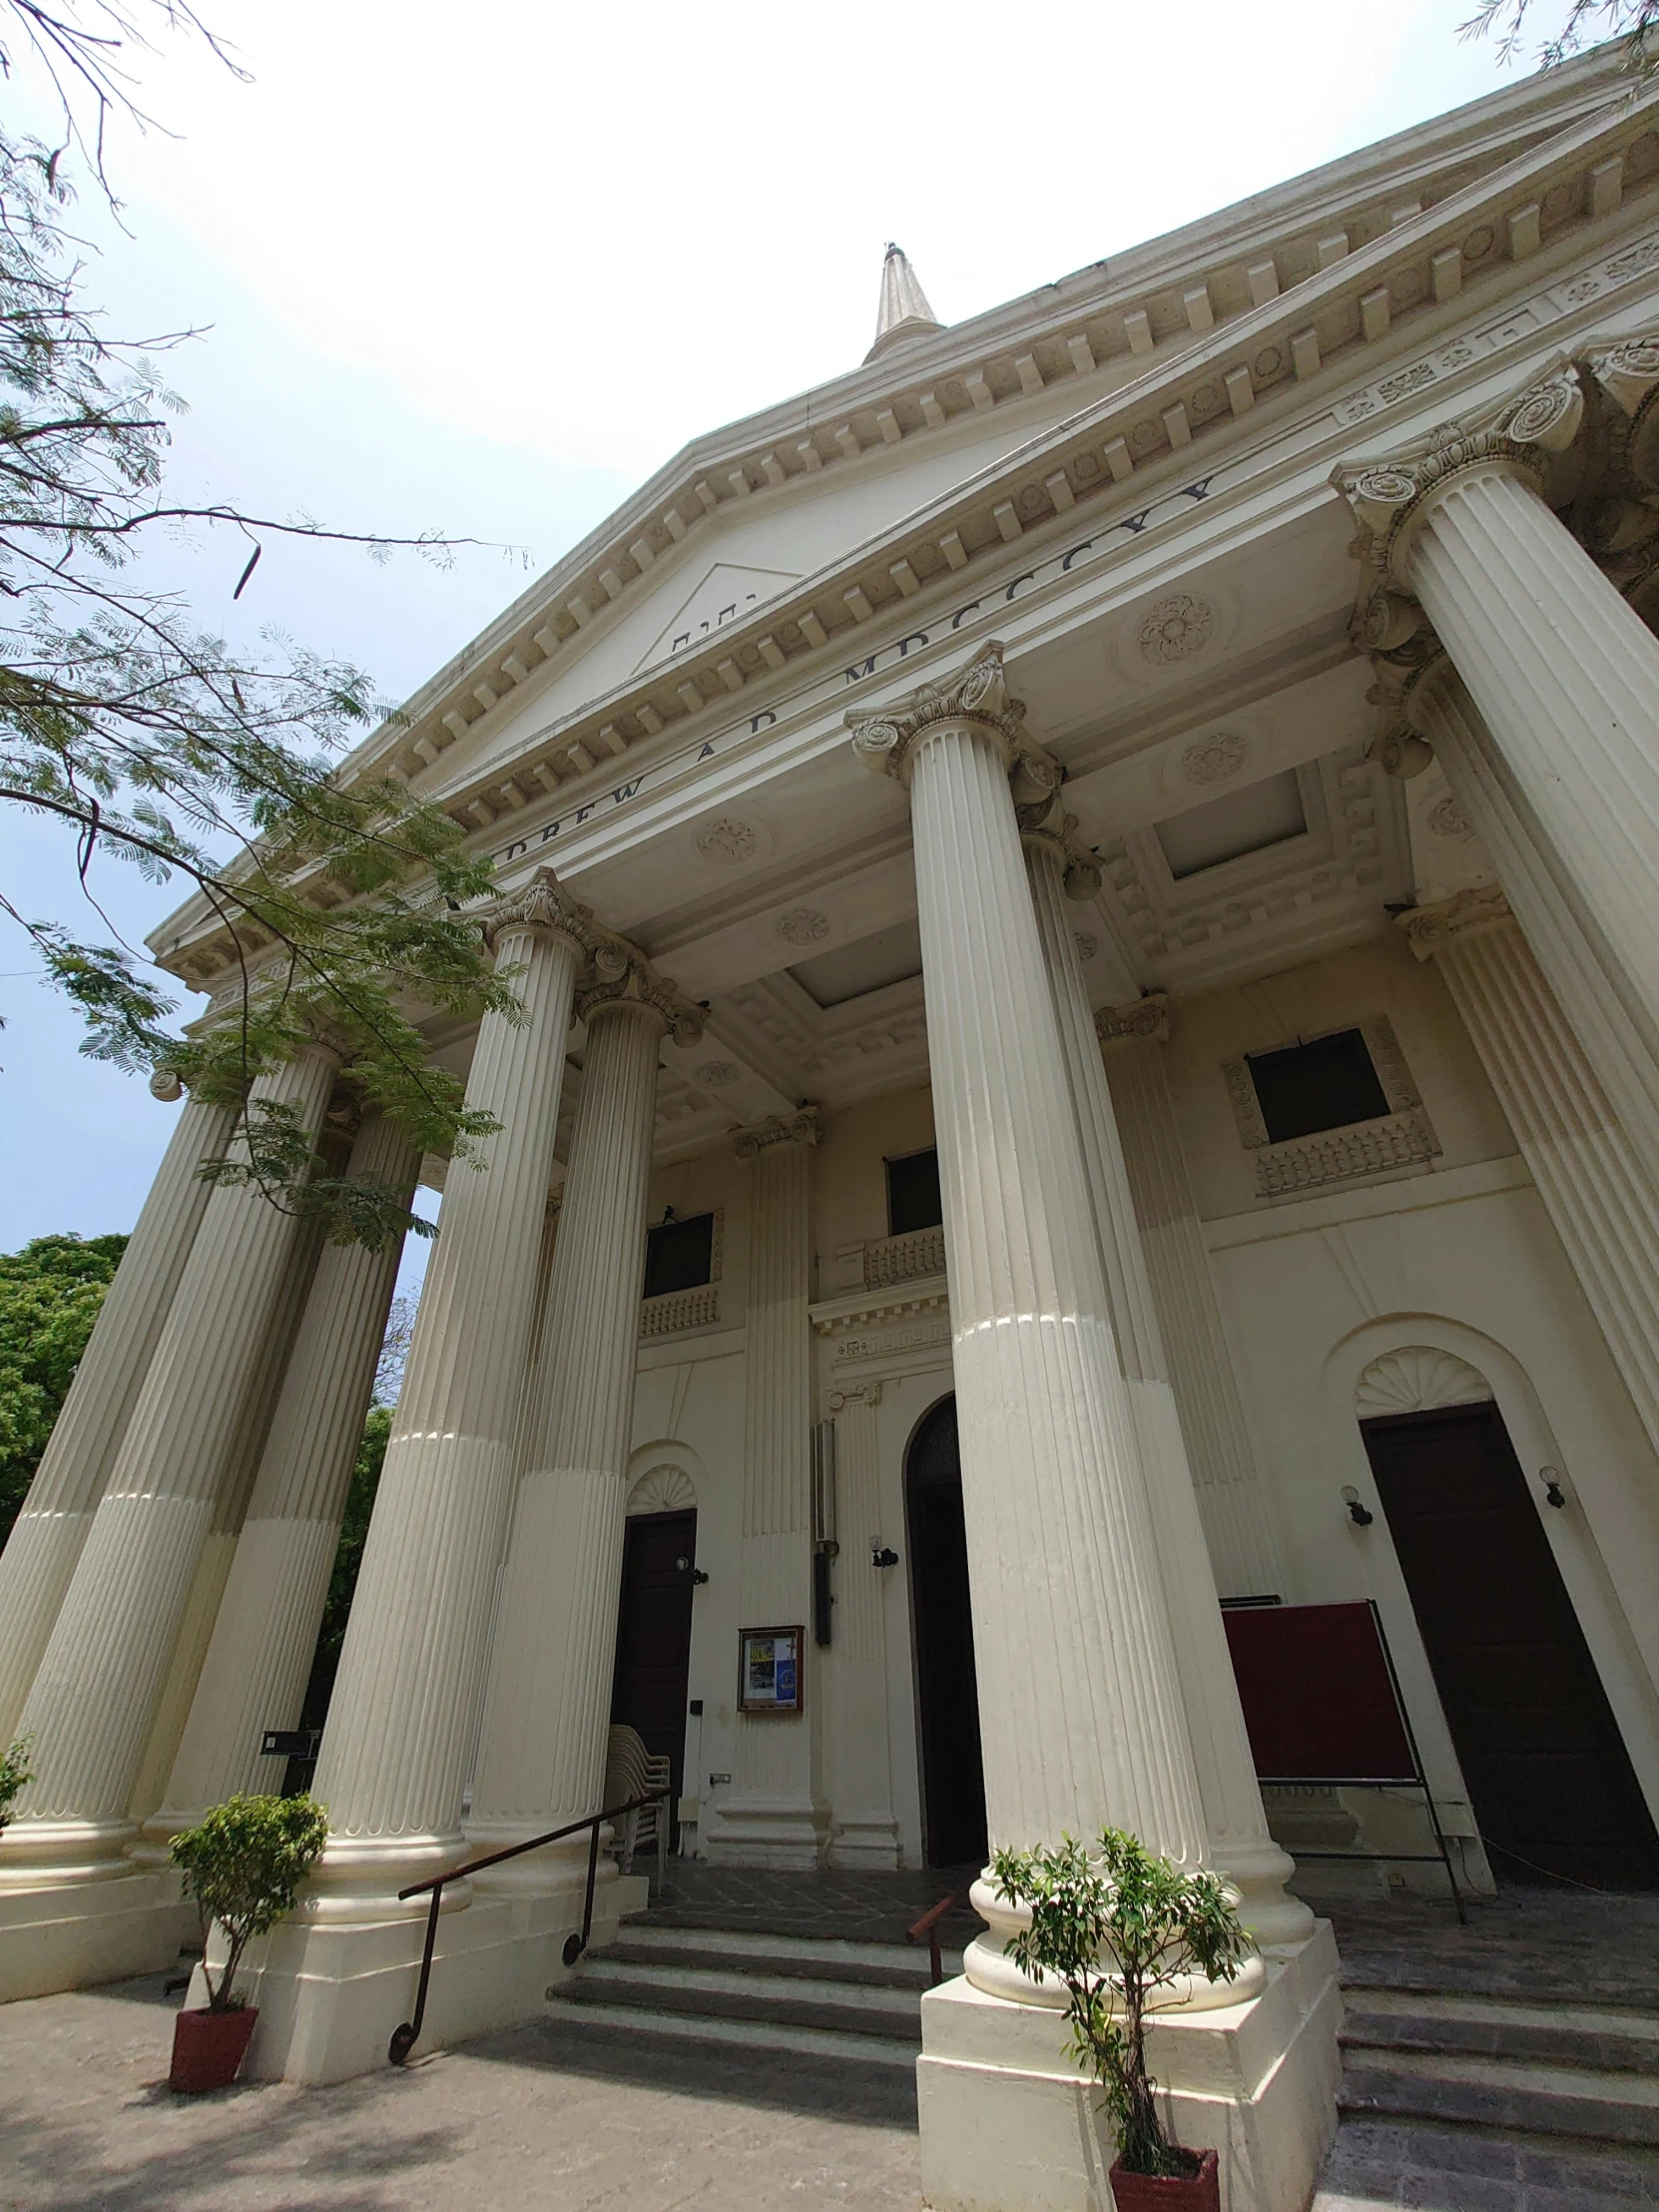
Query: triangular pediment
x: 727, y: 593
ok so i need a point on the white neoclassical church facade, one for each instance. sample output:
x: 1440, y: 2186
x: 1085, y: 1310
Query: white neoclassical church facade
x: 1086, y: 900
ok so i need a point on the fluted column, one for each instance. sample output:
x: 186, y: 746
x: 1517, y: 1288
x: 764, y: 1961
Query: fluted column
x: 1561, y: 667
x: 1596, y: 1183
x: 772, y: 1814
x: 265, y: 1632
x: 46, y: 1540
x: 1232, y: 1815
x: 548, y: 1705
x: 1243, y: 1544
x: 102, y: 1676
x: 860, y: 1763
x: 396, y: 1745
x: 1573, y: 955
x: 1080, y: 1705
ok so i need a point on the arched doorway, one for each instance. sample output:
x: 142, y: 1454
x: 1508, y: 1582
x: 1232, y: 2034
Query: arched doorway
x: 953, y: 1775
x: 1555, y: 1796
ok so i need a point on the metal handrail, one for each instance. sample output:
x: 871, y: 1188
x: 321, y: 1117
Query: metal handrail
x: 929, y: 1926
x: 405, y: 2036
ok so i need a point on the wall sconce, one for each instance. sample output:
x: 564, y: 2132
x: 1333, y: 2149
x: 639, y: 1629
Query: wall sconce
x: 881, y: 1555
x: 684, y: 1567
x: 1550, y: 1477
x: 1357, y: 1513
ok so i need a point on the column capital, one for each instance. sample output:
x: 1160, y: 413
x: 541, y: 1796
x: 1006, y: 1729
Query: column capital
x: 1528, y: 436
x: 619, y: 974
x: 1142, y: 1017
x: 544, y: 904
x: 853, y: 1394
x: 886, y: 741
x: 805, y: 1126
x: 1056, y: 835
x: 1628, y: 374
x: 1428, y: 929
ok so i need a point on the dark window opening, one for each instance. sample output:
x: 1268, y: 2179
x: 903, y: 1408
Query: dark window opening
x: 913, y: 1194
x: 1323, y: 1085
x: 679, y: 1255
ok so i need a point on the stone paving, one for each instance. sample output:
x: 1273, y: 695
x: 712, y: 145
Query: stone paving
x: 567, y: 2117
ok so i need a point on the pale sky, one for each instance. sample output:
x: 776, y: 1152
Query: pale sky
x: 484, y: 270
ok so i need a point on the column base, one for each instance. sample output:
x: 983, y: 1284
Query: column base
x: 1008, y: 2124
x: 789, y: 1833
x: 330, y: 1994
x: 872, y: 1845
x: 74, y: 1934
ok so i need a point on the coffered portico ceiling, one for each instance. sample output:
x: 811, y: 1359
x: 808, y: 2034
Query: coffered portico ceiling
x: 1124, y: 477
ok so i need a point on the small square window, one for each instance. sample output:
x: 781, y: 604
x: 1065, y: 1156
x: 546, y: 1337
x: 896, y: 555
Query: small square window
x: 1327, y: 1084
x: 679, y: 1255
x: 913, y: 1194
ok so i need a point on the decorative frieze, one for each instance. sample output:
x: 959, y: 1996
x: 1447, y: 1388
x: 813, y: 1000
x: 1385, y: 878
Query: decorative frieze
x: 858, y: 1328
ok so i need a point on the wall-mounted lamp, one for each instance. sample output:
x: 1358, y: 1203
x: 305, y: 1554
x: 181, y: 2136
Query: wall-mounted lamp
x: 1550, y: 1477
x: 684, y: 1567
x: 1357, y: 1513
x: 881, y: 1555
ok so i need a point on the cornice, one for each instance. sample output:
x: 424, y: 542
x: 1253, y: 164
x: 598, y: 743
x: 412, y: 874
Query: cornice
x: 1310, y: 336
x: 859, y: 1310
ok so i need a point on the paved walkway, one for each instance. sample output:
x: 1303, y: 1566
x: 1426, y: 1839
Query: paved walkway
x: 573, y: 2118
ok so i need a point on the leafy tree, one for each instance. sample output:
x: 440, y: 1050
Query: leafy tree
x: 50, y: 1296
x: 1117, y: 1925
x: 334, y: 897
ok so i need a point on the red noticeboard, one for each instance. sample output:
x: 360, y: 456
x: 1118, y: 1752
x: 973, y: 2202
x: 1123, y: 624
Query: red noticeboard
x: 1318, y: 1691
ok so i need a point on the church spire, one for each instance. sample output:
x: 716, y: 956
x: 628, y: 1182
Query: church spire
x: 904, y: 314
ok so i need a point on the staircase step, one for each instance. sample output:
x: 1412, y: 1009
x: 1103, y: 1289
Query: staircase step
x: 1584, y: 2038
x: 1489, y: 2092
x: 784, y: 1999
x: 705, y: 2028
x: 877, y: 1965
x: 1446, y: 2164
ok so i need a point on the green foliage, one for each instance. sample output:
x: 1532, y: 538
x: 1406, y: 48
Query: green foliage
x: 1116, y: 1926
x: 331, y: 897
x: 15, y: 1775
x: 244, y: 1862
x: 50, y: 1296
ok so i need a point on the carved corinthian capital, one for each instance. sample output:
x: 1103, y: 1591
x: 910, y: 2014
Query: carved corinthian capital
x: 541, y: 904
x: 1465, y: 915
x: 1142, y: 1017
x: 1080, y: 870
x: 620, y: 974
x: 1532, y: 435
x: 801, y: 1127
x: 1629, y: 375
x: 886, y: 741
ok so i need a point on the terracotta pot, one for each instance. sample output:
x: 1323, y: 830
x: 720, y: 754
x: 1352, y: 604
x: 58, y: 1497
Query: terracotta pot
x: 209, y: 2049
x: 1200, y: 2192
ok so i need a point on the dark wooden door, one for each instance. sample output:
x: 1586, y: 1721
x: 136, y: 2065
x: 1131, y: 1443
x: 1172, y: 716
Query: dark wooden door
x: 953, y: 1772
x: 1549, y: 1776
x: 653, y: 1638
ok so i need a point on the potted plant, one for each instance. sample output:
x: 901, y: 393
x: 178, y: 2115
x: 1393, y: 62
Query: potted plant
x: 15, y: 1775
x: 243, y: 1863
x: 1116, y: 1926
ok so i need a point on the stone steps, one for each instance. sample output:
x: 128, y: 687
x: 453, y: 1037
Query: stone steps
x: 1545, y: 2071
x: 820, y: 1997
